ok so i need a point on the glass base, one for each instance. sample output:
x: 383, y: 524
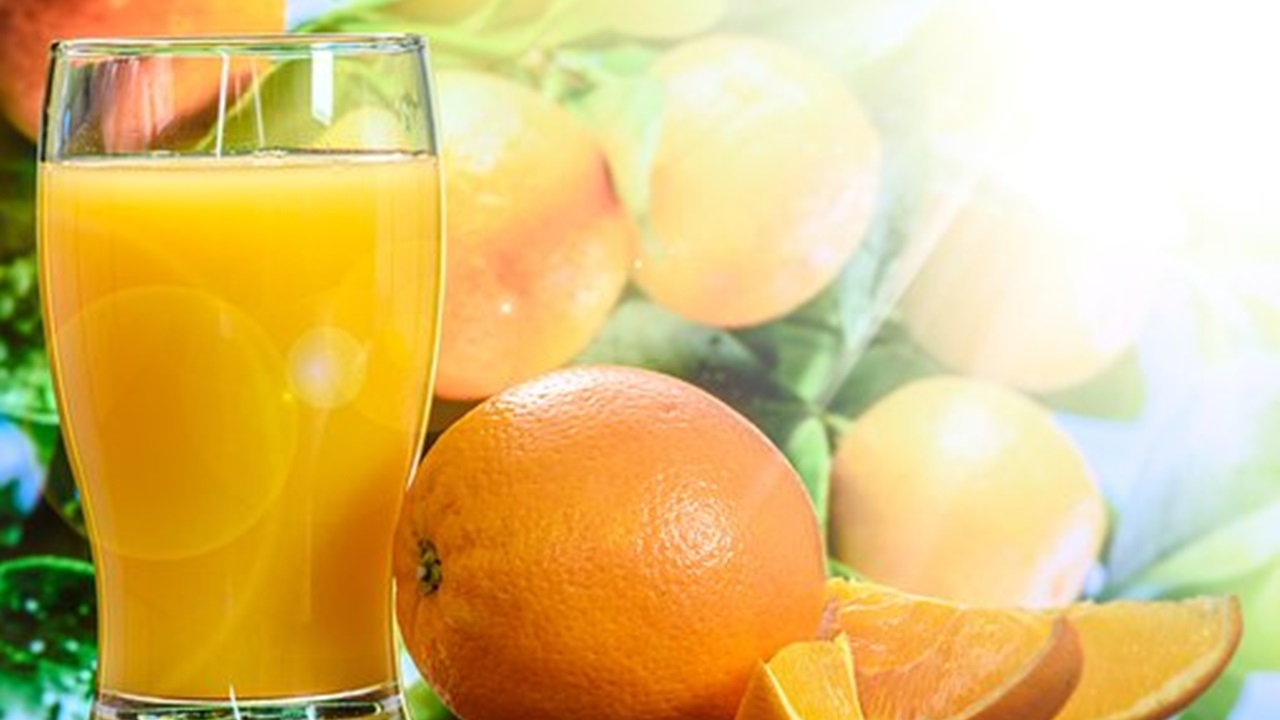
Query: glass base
x: 380, y: 703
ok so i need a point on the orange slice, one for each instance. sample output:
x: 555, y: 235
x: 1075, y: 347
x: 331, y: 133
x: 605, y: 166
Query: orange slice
x: 921, y: 658
x: 1148, y: 660
x: 804, y: 681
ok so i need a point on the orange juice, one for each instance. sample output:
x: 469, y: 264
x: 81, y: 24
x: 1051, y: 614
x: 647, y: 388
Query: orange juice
x: 244, y: 351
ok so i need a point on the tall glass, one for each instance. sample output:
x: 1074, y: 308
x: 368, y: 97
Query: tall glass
x: 240, y: 247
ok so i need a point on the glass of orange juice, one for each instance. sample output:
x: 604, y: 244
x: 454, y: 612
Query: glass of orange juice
x: 240, y: 247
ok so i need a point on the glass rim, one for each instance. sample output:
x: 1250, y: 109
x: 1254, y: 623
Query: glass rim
x: 266, y: 44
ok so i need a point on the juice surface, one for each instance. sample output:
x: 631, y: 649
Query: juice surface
x: 243, y: 350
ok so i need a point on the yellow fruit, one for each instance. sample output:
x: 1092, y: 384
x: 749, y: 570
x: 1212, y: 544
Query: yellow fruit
x: 603, y: 543
x: 1040, y: 285
x: 365, y: 128
x: 1148, y: 660
x: 918, y: 657
x: 762, y: 185
x: 810, y: 680
x: 965, y: 490
x: 539, y: 247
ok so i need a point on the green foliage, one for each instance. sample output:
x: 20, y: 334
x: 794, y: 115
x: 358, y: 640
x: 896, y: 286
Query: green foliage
x: 423, y: 704
x: 1204, y: 515
x: 1119, y: 393
x: 1199, y: 492
x: 47, y: 643
x: 26, y: 389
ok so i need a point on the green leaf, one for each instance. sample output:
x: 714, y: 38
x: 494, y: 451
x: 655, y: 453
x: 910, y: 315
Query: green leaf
x: 1259, y: 596
x: 1259, y: 651
x: 26, y: 384
x: 624, y: 108
x: 300, y: 15
x: 1218, y: 558
x: 423, y: 704
x: 47, y: 634
x: 1213, y: 464
x: 892, y: 361
x: 837, y: 569
x: 21, y: 476
x: 805, y: 350
x: 60, y: 490
x: 641, y: 334
x: 845, y: 35
x: 1119, y: 393
x: 1217, y: 701
x: 486, y: 37
x: 808, y: 448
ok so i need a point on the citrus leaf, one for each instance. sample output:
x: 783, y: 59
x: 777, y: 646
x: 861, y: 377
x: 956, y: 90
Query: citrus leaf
x: 837, y: 569
x: 48, y: 648
x: 299, y: 14
x: 808, y: 449
x: 624, y: 108
x: 1218, y: 558
x: 1119, y: 393
x: 484, y: 37
x: 803, y: 351
x: 423, y: 704
x: 21, y: 478
x: 892, y: 361
x: 61, y: 493
x: 1243, y: 693
x: 1217, y: 701
x: 1259, y: 699
x: 846, y: 35
x: 26, y: 384
x: 641, y: 334
x: 1226, y: 437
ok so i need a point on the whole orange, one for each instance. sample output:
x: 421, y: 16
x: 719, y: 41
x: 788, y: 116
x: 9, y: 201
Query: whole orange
x: 762, y: 185
x: 539, y: 246
x: 603, y: 542
x: 27, y: 28
x: 967, y: 491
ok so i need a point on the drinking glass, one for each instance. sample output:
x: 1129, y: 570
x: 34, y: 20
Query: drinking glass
x: 240, y: 245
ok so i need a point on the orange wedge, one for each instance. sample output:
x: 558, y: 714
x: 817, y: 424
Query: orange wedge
x: 804, y: 681
x: 917, y: 657
x: 1148, y: 660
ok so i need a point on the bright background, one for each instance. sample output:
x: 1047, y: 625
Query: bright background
x: 1146, y: 132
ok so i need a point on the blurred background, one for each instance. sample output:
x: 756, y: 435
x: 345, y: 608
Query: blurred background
x: 1027, y: 251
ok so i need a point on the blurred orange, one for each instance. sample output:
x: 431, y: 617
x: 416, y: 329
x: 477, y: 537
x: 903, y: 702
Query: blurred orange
x: 538, y: 246
x: 604, y: 542
x: 763, y: 183
x: 1042, y: 280
x: 28, y: 27
x: 965, y: 490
